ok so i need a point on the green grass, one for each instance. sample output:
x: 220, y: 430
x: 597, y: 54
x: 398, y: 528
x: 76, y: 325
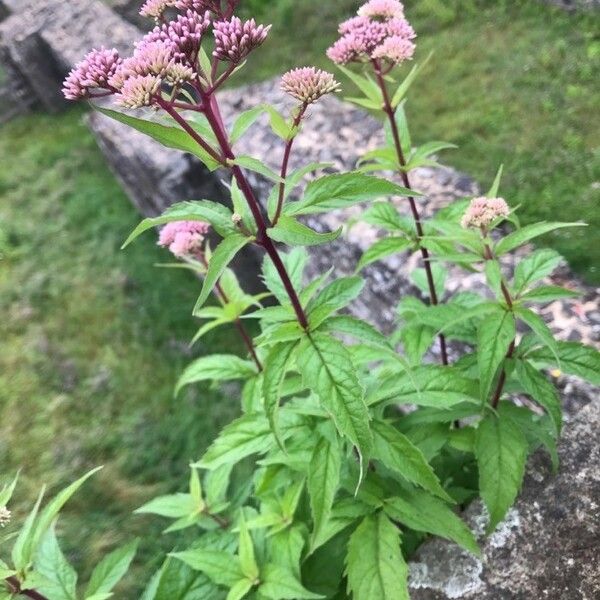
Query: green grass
x: 511, y: 82
x: 92, y: 341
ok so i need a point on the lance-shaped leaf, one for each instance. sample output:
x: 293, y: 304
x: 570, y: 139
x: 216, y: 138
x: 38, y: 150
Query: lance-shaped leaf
x: 51, y: 510
x: 293, y: 233
x: 434, y: 386
x: 534, y: 267
x: 575, y: 359
x: 495, y: 334
x: 375, y: 566
x: 521, y: 236
x: 501, y: 451
x: 275, y: 369
x: 216, y: 367
x: 327, y: 369
x: 384, y: 248
x: 55, y: 577
x: 257, y: 166
x: 222, y: 256
x: 169, y: 136
x: 539, y: 327
x: 342, y: 190
x: 110, y: 570
x: 250, y: 434
x: 219, y: 216
x: 323, y: 480
x: 386, y: 216
x: 399, y: 454
x: 422, y: 512
x: 361, y: 330
x: 548, y: 293
x: 541, y: 390
x: 280, y: 584
x: 333, y: 297
x: 219, y: 566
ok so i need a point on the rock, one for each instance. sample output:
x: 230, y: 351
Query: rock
x: 547, y: 548
x: 40, y: 40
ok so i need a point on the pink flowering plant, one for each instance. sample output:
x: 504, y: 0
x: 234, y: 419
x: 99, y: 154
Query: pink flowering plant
x: 360, y: 445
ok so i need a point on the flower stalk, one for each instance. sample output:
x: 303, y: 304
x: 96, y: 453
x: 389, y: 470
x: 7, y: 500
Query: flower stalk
x: 391, y: 116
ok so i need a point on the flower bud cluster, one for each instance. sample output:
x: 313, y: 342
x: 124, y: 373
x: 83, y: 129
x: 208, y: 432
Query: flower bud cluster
x: 184, y: 238
x: 235, y: 39
x: 483, y: 211
x: 379, y: 32
x: 308, y: 84
x: 92, y: 73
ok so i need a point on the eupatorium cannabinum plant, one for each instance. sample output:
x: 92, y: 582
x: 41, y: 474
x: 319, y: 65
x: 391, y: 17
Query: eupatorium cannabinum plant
x: 360, y: 445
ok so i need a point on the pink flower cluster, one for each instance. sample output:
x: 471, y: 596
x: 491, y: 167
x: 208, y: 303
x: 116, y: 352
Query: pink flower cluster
x: 183, y: 34
x: 308, y: 84
x: 379, y: 32
x: 483, y: 211
x: 92, y: 73
x: 235, y: 39
x: 184, y: 238
x: 166, y: 55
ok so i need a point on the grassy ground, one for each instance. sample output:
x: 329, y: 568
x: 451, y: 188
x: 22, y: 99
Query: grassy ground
x: 511, y: 82
x: 92, y: 341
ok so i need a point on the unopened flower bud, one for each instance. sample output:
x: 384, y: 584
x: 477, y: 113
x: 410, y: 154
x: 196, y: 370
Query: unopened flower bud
x: 483, y: 211
x: 236, y: 218
x: 5, y: 516
x: 308, y: 84
x: 235, y: 39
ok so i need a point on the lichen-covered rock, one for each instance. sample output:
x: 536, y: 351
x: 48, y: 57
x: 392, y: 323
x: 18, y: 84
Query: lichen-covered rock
x: 547, y: 549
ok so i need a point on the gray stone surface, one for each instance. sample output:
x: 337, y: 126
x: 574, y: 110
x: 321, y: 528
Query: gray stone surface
x: 41, y: 40
x: 547, y: 549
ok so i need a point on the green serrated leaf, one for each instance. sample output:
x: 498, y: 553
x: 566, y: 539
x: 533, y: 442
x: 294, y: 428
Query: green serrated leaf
x: 539, y: 328
x: 342, y: 190
x: 383, y: 248
x: 548, y: 293
x: 219, y: 216
x: 501, y: 451
x: 575, y: 359
x: 323, y: 480
x: 221, y: 567
x: 521, y: 236
x: 293, y: 233
x: 541, y: 390
x: 326, y: 366
x: 111, y: 569
x: 534, y: 267
x: 400, y: 455
x: 422, y: 512
x: 275, y: 368
x: 169, y: 136
x: 247, y: 435
x: 59, y: 577
x: 375, y: 566
x: 216, y: 367
x: 495, y: 334
x: 280, y: 584
x: 222, y: 256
